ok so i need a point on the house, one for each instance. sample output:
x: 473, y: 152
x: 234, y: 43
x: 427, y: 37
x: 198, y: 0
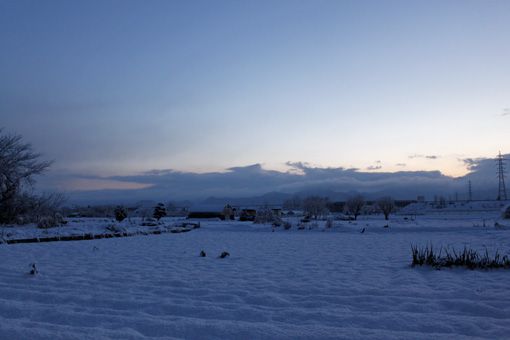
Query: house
x: 277, y: 212
x: 206, y: 211
x: 212, y: 211
x: 247, y: 214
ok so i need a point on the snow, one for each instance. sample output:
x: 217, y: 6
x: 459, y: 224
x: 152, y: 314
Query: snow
x: 81, y: 226
x: 319, y: 283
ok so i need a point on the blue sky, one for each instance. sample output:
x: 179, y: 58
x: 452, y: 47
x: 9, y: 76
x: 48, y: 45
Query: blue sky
x: 114, y: 88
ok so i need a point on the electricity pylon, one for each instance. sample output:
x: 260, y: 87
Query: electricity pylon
x: 501, y: 178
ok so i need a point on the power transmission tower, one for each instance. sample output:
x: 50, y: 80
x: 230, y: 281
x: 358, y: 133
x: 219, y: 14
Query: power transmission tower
x: 470, y: 192
x: 501, y: 178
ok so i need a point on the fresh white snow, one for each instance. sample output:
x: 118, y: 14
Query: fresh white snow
x: 320, y: 283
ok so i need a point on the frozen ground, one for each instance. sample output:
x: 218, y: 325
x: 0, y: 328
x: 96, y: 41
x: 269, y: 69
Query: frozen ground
x: 338, y: 283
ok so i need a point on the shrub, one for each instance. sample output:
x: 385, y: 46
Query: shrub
x: 329, y: 223
x: 506, y: 212
x: 287, y: 225
x: 120, y: 213
x: 159, y: 211
x: 469, y: 258
x: 51, y: 221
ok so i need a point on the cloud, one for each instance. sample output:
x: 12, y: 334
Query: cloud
x: 301, y: 178
x: 401, y: 164
x: 471, y: 163
x: 506, y: 112
x: 374, y: 167
x: 94, y: 184
x: 252, y: 180
x: 424, y: 156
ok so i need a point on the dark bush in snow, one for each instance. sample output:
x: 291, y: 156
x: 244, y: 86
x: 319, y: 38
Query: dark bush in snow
x: 329, y: 223
x: 287, y: 225
x: 120, y: 213
x: 446, y: 257
x: 224, y: 254
x: 159, y: 211
x: 51, y: 221
x: 505, y: 213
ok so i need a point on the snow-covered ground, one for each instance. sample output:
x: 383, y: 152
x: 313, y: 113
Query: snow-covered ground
x: 81, y: 226
x: 319, y: 283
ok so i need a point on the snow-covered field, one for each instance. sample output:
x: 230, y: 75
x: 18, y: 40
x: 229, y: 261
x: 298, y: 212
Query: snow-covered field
x: 335, y: 283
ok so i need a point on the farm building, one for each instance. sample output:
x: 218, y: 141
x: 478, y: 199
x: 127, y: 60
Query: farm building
x: 212, y: 211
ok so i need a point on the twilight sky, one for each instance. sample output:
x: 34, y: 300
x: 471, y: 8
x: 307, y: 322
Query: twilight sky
x: 116, y: 88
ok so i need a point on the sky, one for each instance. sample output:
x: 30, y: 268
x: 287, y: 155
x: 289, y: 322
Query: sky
x: 113, y: 89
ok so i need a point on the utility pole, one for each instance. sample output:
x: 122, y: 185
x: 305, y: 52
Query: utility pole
x: 501, y: 178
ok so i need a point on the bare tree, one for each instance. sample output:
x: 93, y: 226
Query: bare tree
x: 294, y: 203
x: 387, y: 206
x: 265, y: 215
x: 354, y: 205
x: 18, y: 166
x: 315, y: 206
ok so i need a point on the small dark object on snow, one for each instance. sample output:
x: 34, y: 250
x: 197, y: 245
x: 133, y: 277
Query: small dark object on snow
x: 224, y: 254
x: 202, y: 253
x: 386, y: 226
x: 95, y: 248
x: 34, y: 270
x: 362, y: 230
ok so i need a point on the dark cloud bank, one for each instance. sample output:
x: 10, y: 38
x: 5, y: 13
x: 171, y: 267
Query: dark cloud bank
x: 253, y: 184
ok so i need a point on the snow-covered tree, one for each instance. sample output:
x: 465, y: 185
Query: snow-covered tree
x: 18, y: 166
